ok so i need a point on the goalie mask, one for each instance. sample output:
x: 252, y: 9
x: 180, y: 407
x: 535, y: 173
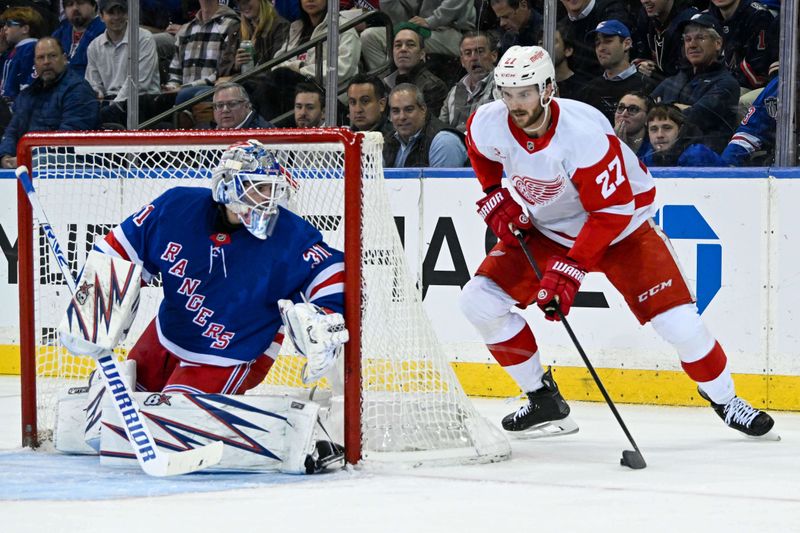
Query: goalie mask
x: 251, y: 183
x: 524, y: 66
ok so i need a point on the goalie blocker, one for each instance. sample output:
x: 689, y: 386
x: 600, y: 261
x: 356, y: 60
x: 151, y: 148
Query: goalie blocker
x: 104, y: 305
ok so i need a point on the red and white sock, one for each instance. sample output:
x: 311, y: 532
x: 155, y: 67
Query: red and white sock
x: 519, y: 356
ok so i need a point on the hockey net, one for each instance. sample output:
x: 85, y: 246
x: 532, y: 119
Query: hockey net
x: 402, y: 401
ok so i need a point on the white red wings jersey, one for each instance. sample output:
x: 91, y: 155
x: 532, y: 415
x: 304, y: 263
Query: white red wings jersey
x: 583, y: 187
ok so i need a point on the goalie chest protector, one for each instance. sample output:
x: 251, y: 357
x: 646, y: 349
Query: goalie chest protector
x: 221, y: 289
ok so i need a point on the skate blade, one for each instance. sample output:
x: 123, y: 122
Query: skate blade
x: 769, y: 435
x: 556, y: 428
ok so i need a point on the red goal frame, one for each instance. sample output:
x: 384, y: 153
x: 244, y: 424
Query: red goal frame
x: 352, y: 143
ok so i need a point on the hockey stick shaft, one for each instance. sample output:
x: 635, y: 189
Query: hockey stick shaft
x: 586, y: 361
x: 153, y: 461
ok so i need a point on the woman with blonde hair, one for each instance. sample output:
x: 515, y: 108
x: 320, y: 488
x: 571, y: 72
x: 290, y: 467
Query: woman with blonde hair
x: 262, y: 25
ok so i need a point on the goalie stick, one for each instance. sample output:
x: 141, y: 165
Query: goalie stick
x: 630, y: 458
x: 154, y: 462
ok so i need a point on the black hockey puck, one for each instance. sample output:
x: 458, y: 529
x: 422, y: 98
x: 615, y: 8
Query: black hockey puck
x: 632, y: 459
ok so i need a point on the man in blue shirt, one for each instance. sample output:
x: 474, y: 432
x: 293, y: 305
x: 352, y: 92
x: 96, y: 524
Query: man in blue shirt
x: 80, y: 27
x: 57, y: 100
x: 419, y: 139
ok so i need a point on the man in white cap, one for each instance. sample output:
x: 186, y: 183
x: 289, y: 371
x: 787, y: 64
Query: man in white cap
x: 586, y: 204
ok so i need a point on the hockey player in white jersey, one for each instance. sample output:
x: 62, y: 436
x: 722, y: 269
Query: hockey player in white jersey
x: 587, y: 205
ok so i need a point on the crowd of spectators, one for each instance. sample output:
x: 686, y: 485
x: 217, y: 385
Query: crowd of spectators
x: 683, y: 82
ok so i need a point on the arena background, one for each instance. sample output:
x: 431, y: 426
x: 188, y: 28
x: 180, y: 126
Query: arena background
x: 734, y: 230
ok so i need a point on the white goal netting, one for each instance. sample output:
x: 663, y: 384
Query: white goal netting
x: 412, y: 406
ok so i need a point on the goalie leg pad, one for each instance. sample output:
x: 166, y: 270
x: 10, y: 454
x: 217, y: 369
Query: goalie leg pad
x: 260, y: 433
x: 103, y: 308
x: 79, y: 413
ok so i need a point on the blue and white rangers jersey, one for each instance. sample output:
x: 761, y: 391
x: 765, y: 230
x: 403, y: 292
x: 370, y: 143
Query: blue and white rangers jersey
x: 221, y: 289
x: 757, y: 129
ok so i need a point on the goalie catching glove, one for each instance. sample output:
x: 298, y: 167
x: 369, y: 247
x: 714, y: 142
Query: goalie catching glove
x: 315, y: 334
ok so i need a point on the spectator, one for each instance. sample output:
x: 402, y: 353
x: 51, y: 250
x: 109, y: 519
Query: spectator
x: 582, y: 17
x: 366, y: 99
x: 262, y: 25
x: 520, y: 24
x: 162, y: 18
x: 754, y: 140
x: 747, y: 50
x: 80, y: 26
x: 612, y: 44
x: 232, y: 109
x: 107, y: 68
x: 164, y: 15
x: 705, y: 91
x: 57, y: 100
x: 48, y: 10
x: 630, y: 122
x: 657, y: 40
x: 478, y: 57
x: 675, y: 141
x: 276, y: 93
x: 408, y: 51
x: 206, y: 49
x: 22, y: 26
x: 309, y: 106
x: 419, y: 139
x: 445, y: 20
x: 570, y: 84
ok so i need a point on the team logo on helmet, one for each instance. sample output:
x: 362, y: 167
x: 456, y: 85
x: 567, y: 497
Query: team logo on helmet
x: 539, y: 192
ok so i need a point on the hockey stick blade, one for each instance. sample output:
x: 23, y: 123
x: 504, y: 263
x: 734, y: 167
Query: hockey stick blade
x: 154, y: 462
x: 632, y: 459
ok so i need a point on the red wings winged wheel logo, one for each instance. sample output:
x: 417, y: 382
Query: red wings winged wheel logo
x: 538, y: 191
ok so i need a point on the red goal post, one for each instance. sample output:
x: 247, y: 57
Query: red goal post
x: 89, y: 181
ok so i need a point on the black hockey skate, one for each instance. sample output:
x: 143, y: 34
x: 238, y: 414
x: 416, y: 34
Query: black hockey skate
x: 545, y: 415
x: 326, y: 454
x: 741, y: 416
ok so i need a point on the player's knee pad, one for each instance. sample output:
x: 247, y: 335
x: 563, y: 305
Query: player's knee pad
x: 488, y: 308
x: 682, y: 327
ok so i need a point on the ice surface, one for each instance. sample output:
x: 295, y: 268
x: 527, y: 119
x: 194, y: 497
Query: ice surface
x: 701, y: 476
